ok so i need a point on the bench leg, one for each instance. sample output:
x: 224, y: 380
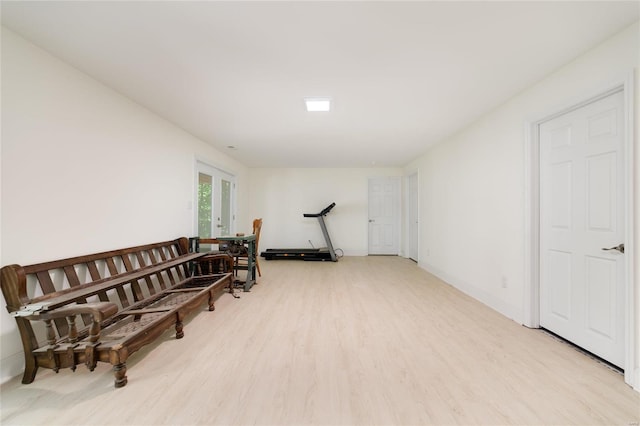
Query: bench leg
x: 212, y: 306
x: 179, y: 327
x: 30, y: 370
x: 120, y: 372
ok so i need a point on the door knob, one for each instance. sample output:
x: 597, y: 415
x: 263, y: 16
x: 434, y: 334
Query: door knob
x: 619, y: 247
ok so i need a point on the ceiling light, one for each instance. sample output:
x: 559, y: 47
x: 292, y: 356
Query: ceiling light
x: 318, y: 104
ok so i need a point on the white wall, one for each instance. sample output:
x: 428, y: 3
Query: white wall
x: 472, y: 185
x: 85, y: 169
x: 281, y: 196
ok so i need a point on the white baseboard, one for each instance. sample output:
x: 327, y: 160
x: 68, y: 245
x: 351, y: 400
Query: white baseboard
x: 509, y: 311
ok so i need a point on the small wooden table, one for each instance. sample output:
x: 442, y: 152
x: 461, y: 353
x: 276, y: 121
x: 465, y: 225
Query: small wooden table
x: 250, y: 242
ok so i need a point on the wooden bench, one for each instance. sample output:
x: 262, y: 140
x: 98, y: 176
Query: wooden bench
x: 105, y: 306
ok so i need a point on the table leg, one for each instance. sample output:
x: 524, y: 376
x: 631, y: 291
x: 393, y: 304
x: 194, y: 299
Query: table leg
x: 251, y: 267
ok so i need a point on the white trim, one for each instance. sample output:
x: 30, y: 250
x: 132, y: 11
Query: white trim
x: 531, y: 302
x: 198, y: 159
x: 632, y: 370
x: 531, y: 290
x: 407, y: 215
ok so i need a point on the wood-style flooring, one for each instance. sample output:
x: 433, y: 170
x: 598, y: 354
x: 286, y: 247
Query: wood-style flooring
x: 365, y: 341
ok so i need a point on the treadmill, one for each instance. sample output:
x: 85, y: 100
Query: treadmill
x: 318, y: 254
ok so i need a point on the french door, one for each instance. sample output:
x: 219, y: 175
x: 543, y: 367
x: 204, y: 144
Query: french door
x: 215, y: 213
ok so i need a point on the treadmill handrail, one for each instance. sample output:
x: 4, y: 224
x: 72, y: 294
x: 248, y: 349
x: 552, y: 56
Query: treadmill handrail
x: 322, y: 213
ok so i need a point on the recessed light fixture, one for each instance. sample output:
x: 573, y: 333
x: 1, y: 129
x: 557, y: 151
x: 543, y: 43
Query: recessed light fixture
x: 318, y: 104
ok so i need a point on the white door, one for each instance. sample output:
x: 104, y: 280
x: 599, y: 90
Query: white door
x: 215, y: 201
x: 384, y: 215
x: 581, y: 214
x: 412, y: 217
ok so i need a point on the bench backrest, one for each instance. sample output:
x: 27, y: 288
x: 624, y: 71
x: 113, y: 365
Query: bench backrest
x: 38, y: 283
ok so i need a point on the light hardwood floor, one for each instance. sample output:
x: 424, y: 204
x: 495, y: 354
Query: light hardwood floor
x: 367, y: 340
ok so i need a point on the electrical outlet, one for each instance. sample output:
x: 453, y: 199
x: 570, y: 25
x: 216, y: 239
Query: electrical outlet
x: 505, y: 283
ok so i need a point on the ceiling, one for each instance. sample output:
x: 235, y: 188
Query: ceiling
x: 402, y: 75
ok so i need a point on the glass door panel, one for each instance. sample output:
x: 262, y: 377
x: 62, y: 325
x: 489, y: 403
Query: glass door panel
x: 224, y: 219
x: 215, y: 197
x: 205, y: 205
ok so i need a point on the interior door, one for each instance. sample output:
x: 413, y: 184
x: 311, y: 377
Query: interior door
x: 384, y: 215
x: 582, y: 214
x: 215, y: 212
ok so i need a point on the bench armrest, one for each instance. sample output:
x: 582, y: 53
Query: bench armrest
x: 99, y: 311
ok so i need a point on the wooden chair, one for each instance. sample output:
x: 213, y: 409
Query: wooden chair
x: 241, y: 261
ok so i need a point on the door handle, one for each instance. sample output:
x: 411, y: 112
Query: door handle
x: 371, y: 220
x: 619, y: 247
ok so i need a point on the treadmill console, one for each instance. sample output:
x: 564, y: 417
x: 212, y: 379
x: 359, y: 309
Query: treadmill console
x: 322, y: 213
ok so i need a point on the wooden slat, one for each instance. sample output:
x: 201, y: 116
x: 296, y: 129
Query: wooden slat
x: 47, y: 287
x: 136, y: 290
x: 152, y: 257
x: 95, y: 276
x: 122, y: 295
x: 127, y: 263
x: 113, y: 270
x: 146, y: 311
x: 150, y: 286
x: 74, y: 281
x: 161, y: 281
x: 178, y: 271
x: 142, y: 263
x: 162, y: 254
x: 111, y: 265
x: 72, y: 275
x: 140, y: 257
x: 186, y: 270
x: 169, y: 275
x: 93, y: 270
x: 185, y: 290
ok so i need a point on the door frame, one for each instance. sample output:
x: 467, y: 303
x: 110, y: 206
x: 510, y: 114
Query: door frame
x: 194, y: 204
x: 414, y: 174
x: 531, y: 305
